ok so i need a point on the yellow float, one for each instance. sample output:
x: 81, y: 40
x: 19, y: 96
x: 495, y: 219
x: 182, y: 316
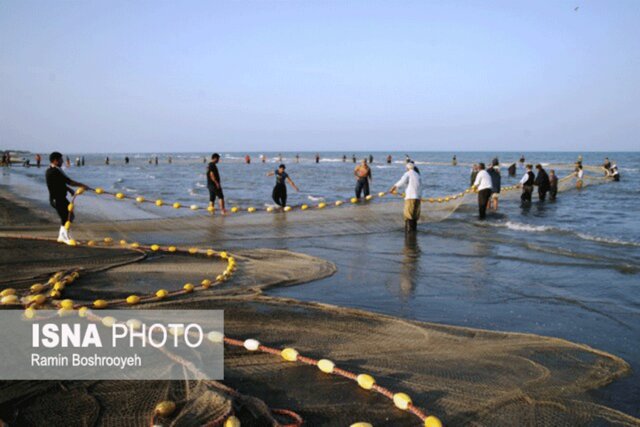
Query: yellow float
x: 100, y: 303
x: 287, y: 208
x: 177, y: 205
x: 166, y: 408
x: 401, y: 400
x: 365, y: 381
x: 432, y: 421
x: 162, y: 294
x: 159, y: 202
x: 188, y: 287
x: 133, y: 299
x: 326, y: 366
x: 99, y: 190
x: 119, y: 196
x: 289, y: 354
x: 66, y: 304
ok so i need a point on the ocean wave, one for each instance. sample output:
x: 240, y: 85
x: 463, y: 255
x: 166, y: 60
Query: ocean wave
x: 315, y: 199
x: 517, y: 226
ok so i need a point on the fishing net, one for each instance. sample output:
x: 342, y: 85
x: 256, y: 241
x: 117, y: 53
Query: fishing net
x: 463, y: 376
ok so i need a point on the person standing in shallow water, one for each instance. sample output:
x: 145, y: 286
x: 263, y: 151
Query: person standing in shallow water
x: 553, y: 185
x: 58, y: 184
x: 279, y: 194
x: 362, y: 172
x: 412, y: 197
x: 542, y: 181
x: 527, y: 181
x: 483, y: 185
x: 214, y: 184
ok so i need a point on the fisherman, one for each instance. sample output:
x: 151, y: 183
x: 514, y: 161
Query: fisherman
x: 68, y: 162
x: 247, y: 159
x: 297, y: 158
x: 512, y: 169
x: 214, y: 185
x: 317, y: 158
x: 553, y: 185
x: 155, y: 160
x: 454, y: 160
x: 38, y: 159
x: 126, y: 160
x: 58, y: 184
x: 106, y: 161
x: 77, y: 161
x: 370, y: 159
x: 527, y: 184
x: 522, y: 160
x: 344, y: 158
x: 474, y: 173
x: 542, y: 181
x: 263, y: 159
x: 606, y: 165
x: 279, y: 194
x: 412, y: 197
x: 362, y: 172
x: 496, y: 180
x: 389, y: 159
x: 615, y: 174
x: 353, y: 158
x: 82, y: 160
x: 170, y: 160
x: 579, y: 174
x: 483, y: 186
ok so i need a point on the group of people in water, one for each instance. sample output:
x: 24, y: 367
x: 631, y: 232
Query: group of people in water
x: 485, y: 180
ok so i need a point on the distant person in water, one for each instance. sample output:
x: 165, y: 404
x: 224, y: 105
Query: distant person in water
x: 82, y: 160
x: 214, y: 185
x: 106, y: 161
x: 38, y: 159
x: 606, y: 165
x: 474, y: 173
x: 297, y: 158
x: 526, y: 182
x: 68, y: 162
x: 496, y: 181
x: 370, y: 159
x: 126, y: 160
x: 263, y: 159
x: 483, y: 185
x: 512, y: 169
x: 280, y: 157
x: 522, y: 160
x: 59, y: 184
x: 247, y: 159
x: 412, y: 197
x: 553, y: 185
x: 389, y: 159
x: 614, y: 173
x: 353, y: 158
x: 344, y: 158
x: 77, y: 161
x: 155, y: 160
x: 362, y: 172
x: 579, y: 174
x: 279, y: 194
x: 317, y: 158
x: 454, y: 160
x: 542, y: 182
x: 170, y: 160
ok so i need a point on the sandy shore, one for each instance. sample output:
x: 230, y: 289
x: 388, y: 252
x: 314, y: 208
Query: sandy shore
x: 464, y: 376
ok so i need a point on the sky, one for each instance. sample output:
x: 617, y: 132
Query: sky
x: 161, y: 76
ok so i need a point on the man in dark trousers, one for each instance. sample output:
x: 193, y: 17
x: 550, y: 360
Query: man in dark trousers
x: 542, y: 182
x: 214, y: 185
x: 483, y: 185
x: 553, y: 184
x: 526, y: 183
x: 58, y: 184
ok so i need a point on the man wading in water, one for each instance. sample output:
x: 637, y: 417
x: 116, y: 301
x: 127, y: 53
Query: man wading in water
x: 279, y: 194
x: 412, y: 198
x: 213, y: 183
x: 58, y: 184
x: 362, y: 172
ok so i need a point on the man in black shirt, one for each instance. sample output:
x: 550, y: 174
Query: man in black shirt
x: 542, y: 182
x: 214, y: 185
x: 58, y: 184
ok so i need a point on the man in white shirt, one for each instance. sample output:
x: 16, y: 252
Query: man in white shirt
x: 527, y: 184
x: 413, y: 195
x: 483, y: 185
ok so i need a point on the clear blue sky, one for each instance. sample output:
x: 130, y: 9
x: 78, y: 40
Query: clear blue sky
x: 100, y: 76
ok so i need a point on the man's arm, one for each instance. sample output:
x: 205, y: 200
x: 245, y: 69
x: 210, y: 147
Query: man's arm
x: 213, y: 178
x: 292, y: 184
x: 403, y: 181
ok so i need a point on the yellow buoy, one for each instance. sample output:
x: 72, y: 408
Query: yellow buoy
x: 194, y: 207
x: 166, y: 408
x: 211, y: 252
x: 432, y: 421
x: 177, y: 205
x: 72, y: 242
x: 304, y: 207
x: 220, y: 278
x: 431, y: 200
x: 67, y: 225
x: 66, y: 304
x: 123, y: 242
x: 354, y: 200
x: 270, y: 209
x: 326, y: 366
x: 54, y: 294
x: 339, y: 202
x: 369, y: 197
x: 188, y: 287
x: 381, y: 194
x: 251, y: 344
x: 322, y: 205
x: 63, y: 312
x: 211, y: 209
x: 155, y: 248
x: 39, y: 299
x: 162, y: 294
x: 139, y: 199
x: 135, y: 245
x: 99, y: 190
x: 193, y: 251
x: 100, y: 303
x: 361, y: 424
x: 287, y: 208
x: 79, y: 191
x: 134, y: 324
x: 172, y: 249
x: 159, y: 202
x: 91, y: 243
x: 108, y: 240
x: 439, y: 199
x: 224, y: 255
x: 251, y: 209
x: 133, y: 299
x: 9, y: 299
x: 70, y: 207
x: 82, y: 311
x: 119, y: 196
x: 109, y: 321
x: 59, y: 286
x: 235, y: 209
x: 29, y: 313
x: 365, y: 381
x: 215, y: 336
x: 232, y: 421
x: 289, y: 354
x: 7, y: 292
x: 446, y: 199
x: 401, y: 400
x: 206, y: 283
